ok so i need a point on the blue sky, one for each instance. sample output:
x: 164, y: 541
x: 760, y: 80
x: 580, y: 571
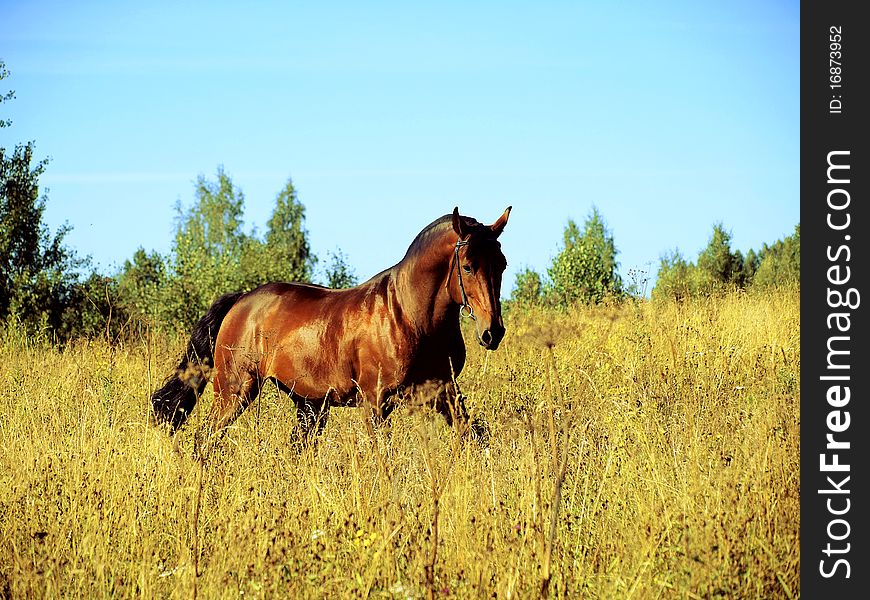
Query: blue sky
x: 667, y: 116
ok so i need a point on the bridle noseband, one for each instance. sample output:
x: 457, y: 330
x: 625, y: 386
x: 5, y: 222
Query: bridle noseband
x: 465, y: 305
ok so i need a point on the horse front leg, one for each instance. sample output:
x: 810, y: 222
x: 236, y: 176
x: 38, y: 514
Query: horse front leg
x: 377, y: 406
x: 374, y: 397
x: 450, y: 403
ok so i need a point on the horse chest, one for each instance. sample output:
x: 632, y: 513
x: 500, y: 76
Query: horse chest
x: 437, y: 357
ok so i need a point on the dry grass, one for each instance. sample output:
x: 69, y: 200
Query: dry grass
x: 644, y: 451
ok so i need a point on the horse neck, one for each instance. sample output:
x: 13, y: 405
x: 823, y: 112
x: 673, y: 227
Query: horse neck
x: 421, y: 288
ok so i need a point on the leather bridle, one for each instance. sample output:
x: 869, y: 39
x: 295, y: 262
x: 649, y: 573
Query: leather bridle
x: 465, y: 305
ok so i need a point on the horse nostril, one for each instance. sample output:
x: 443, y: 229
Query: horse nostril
x: 486, y: 338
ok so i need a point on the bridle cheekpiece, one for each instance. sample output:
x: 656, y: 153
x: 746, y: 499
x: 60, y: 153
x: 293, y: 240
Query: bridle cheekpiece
x: 465, y: 305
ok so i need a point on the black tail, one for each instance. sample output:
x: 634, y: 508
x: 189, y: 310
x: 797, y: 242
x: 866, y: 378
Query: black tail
x: 173, y: 402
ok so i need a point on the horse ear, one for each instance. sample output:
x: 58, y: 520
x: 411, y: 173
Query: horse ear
x: 458, y: 225
x: 499, y: 224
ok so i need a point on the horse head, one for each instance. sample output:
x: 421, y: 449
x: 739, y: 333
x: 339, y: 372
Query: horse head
x: 479, y: 264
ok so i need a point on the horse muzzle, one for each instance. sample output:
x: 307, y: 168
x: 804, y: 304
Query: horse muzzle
x: 491, y: 338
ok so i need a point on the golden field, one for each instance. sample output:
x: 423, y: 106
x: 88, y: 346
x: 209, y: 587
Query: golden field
x: 646, y: 450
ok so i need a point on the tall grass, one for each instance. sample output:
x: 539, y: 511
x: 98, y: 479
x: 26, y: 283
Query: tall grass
x: 649, y: 450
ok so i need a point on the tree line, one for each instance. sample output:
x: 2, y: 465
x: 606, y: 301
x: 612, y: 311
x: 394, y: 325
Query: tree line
x: 585, y: 269
x: 719, y: 268
x: 46, y: 287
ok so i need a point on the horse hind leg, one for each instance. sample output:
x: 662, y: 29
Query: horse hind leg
x: 311, y: 415
x: 233, y: 393
x: 311, y: 418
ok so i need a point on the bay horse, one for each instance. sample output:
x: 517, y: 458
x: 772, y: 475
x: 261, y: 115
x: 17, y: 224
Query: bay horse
x: 370, y: 345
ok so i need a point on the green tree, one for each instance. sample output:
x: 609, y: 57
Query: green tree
x: 750, y: 267
x: 207, y: 251
x: 285, y: 254
x: 528, y: 288
x: 37, y: 271
x: 141, y: 286
x: 718, y: 266
x: 339, y: 274
x: 585, y: 270
x: 780, y: 264
x: 212, y: 254
x: 5, y: 97
x: 96, y: 309
x: 677, y: 279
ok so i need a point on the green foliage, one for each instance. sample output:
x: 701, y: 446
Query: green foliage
x: 288, y: 254
x: 780, y: 264
x: 340, y: 274
x: 720, y: 269
x: 528, y: 289
x: 141, y: 285
x: 37, y: 271
x: 4, y: 73
x: 206, y: 254
x: 284, y: 254
x: 676, y: 278
x: 212, y: 254
x: 586, y: 269
x: 96, y: 310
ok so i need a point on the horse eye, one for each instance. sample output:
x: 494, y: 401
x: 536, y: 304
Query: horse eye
x: 466, y: 268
